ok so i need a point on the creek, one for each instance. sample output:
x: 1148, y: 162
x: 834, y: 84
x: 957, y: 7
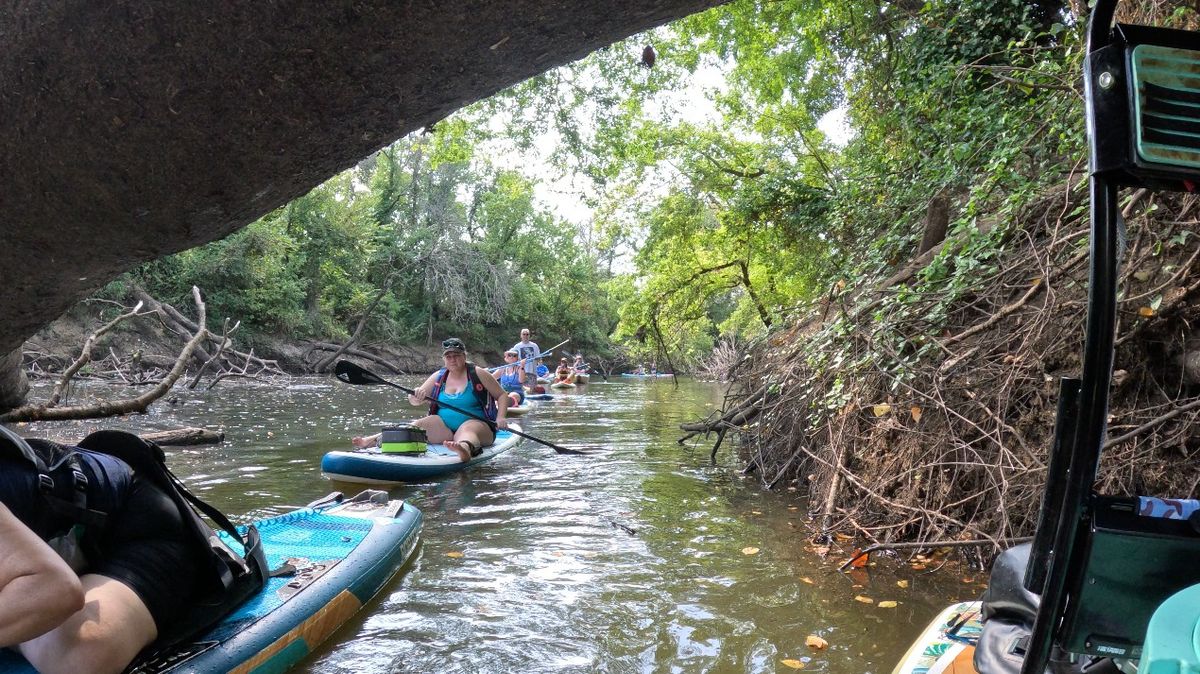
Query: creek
x: 642, y: 557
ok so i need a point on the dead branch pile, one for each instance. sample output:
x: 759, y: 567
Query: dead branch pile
x: 912, y: 418
x: 139, y: 369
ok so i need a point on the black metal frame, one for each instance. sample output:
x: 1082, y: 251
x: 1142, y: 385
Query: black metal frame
x: 1062, y: 544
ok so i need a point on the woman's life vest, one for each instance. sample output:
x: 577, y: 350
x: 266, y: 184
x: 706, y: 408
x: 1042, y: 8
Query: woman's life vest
x: 486, y: 402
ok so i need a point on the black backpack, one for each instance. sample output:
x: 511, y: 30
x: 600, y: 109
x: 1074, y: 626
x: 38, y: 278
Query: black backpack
x: 225, y: 578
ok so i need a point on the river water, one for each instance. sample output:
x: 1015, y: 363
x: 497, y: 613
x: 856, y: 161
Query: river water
x: 632, y: 559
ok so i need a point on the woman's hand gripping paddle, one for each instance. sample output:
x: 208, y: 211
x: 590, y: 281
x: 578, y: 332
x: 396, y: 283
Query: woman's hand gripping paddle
x: 350, y: 373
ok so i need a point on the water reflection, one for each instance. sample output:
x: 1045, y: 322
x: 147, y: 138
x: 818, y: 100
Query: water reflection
x: 629, y: 560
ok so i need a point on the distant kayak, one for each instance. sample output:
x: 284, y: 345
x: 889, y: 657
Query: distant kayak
x: 582, y: 377
x: 372, y: 466
x: 332, y: 558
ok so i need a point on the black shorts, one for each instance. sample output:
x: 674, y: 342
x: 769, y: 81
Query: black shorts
x: 145, y: 546
x: 143, y: 543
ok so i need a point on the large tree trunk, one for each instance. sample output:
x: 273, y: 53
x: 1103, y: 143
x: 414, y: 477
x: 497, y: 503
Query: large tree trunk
x: 13, y: 384
x: 139, y: 129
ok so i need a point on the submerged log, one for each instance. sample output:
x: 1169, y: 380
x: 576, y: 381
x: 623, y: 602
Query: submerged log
x: 185, y: 436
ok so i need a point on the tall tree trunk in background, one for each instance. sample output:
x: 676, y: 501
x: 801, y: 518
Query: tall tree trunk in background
x: 937, y: 219
x: 312, y: 294
x: 13, y: 384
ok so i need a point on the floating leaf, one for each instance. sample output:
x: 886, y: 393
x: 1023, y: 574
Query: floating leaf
x: 750, y: 550
x: 456, y: 554
x: 858, y: 560
x: 1145, y: 311
x: 865, y: 600
x: 902, y: 583
x: 1142, y: 275
x: 821, y: 550
x: 815, y: 642
x: 808, y: 580
x: 842, y: 537
x: 881, y: 409
x: 755, y: 512
x: 886, y: 604
x: 794, y: 664
x: 917, y: 566
x: 916, y: 412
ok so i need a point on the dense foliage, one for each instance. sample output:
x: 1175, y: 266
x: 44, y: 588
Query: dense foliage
x: 721, y: 206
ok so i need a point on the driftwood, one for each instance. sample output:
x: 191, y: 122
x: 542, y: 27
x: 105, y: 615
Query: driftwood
x: 185, y: 436
x: 113, y: 408
x: 220, y: 349
x: 176, y: 321
x: 85, y: 355
x: 357, y: 353
x: 931, y: 545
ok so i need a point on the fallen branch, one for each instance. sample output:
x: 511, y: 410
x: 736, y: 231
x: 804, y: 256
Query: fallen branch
x: 136, y: 405
x: 185, y: 436
x: 85, y: 355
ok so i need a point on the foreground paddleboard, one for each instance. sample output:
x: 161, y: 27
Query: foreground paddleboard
x: 343, y: 552
x: 947, y: 646
x: 371, y: 466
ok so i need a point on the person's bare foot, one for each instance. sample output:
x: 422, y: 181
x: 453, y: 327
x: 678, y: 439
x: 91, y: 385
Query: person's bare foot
x: 361, y: 442
x: 460, y: 447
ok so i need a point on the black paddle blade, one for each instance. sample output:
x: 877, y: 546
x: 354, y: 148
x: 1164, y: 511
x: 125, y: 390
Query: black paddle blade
x: 350, y: 373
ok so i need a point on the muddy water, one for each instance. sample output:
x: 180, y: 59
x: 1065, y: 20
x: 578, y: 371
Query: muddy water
x: 632, y: 559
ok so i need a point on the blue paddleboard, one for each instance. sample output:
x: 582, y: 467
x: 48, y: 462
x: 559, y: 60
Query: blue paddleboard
x: 371, y: 466
x: 343, y: 553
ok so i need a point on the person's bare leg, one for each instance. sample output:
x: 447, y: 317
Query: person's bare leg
x: 104, y: 636
x: 435, y: 428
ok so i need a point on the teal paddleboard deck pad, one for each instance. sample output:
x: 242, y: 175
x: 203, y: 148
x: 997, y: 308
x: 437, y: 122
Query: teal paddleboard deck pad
x: 1166, y: 105
x: 333, y: 559
x: 371, y: 466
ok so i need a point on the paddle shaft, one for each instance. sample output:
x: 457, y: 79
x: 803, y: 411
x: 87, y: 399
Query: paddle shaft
x: 560, y: 450
x: 547, y: 352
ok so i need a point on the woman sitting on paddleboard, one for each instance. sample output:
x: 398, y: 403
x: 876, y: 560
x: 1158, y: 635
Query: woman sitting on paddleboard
x: 564, y: 374
x: 512, y: 379
x: 466, y: 387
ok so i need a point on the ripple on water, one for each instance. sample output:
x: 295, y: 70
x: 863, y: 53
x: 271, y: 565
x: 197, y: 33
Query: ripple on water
x: 627, y: 560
